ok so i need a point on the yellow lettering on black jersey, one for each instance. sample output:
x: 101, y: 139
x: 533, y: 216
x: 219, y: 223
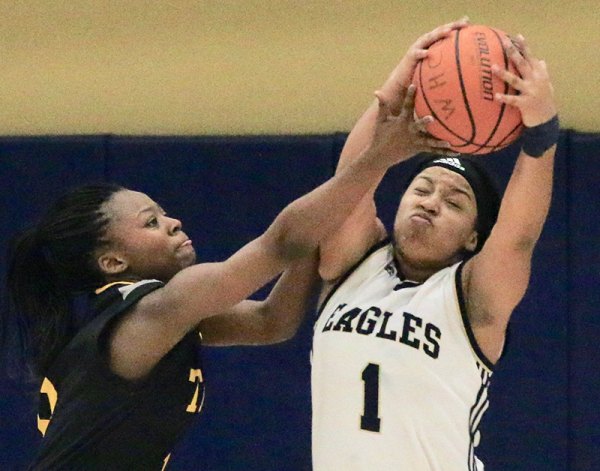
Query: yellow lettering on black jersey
x: 48, y: 398
x: 195, y: 377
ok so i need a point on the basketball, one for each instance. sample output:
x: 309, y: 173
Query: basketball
x: 455, y: 85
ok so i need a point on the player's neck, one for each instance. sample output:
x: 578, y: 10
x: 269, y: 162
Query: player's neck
x: 414, y: 271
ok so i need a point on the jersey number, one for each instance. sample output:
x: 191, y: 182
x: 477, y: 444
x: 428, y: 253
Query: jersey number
x: 195, y: 377
x: 370, y: 420
x: 48, y: 399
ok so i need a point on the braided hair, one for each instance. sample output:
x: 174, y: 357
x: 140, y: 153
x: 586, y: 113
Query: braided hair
x: 50, y: 263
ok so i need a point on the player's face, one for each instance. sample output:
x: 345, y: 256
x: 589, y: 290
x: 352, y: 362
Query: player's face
x: 150, y: 243
x: 435, y: 222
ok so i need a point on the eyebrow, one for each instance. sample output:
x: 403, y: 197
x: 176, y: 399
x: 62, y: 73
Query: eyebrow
x: 453, y: 188
x: 152, y: 208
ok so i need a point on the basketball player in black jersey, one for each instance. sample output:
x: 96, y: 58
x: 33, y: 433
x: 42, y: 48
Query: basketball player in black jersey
x: 121, y: 388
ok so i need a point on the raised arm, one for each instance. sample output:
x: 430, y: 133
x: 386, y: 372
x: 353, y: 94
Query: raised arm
x: 362, y: 229
x: 495, y: 280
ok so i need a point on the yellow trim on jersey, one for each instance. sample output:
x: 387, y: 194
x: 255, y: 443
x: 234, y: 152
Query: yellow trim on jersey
x: 105, y: 287
x: 166, y: 460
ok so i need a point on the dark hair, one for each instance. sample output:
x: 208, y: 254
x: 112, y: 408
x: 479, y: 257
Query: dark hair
x: 50, y: 263
x: 484, y: 188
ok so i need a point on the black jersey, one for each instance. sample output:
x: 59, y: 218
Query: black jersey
x: 93, y: 419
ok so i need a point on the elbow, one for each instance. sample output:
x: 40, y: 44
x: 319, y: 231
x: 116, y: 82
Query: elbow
x: 517, y: 240
x: 278, y: 334
x: 283, y: 336
x: 329, y: 272
x: 525, y: 243
x: 277, y: 327
x: 289, y: 241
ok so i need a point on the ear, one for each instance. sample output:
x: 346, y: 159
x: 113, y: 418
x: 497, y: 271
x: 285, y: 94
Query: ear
x: 112, y: 263
x: 472, y: 242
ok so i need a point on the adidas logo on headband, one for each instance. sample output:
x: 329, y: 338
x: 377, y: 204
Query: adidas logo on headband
x: 450, y: 161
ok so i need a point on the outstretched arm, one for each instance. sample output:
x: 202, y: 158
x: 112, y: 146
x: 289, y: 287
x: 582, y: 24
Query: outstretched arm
x: 201, y: 291
x: 362, y: 229
x: 272, y: 320
x: 278, y: 317
x: 495, y: 280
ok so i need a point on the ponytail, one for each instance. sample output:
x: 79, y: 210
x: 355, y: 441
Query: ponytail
x: 43, y: 305
x: 49, y: 264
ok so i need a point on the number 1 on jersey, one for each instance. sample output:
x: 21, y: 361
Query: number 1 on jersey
x: 370, y: 420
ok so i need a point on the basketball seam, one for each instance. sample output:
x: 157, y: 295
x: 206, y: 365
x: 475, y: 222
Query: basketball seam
x: 434, y: 114
x: 462, y: 88
x: 503, y: 106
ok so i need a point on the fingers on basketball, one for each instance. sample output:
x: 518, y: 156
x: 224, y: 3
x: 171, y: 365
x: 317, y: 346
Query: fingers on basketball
x: 512, y: 79
x: 523, y: 61
x: 459, y: 92
x: 383, y: 110
x: 440, y: 32
x: 512, y: 100
x: 408, y: 105
x: 524, y: 47
x: 420, y: 124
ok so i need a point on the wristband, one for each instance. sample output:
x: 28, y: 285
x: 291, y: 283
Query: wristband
x: 538, y: 139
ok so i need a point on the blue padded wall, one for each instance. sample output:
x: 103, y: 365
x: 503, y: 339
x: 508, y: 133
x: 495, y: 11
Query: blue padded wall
x: 33, y: 171
x: 584, y: 302
x: 545, y: 393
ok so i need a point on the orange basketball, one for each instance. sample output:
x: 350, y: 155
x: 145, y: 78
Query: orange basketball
x: 456, y: 86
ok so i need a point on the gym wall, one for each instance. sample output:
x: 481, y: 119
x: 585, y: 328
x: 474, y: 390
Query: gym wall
x: 226, y: 111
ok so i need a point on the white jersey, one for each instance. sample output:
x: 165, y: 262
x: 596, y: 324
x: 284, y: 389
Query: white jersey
x: 398, y: 382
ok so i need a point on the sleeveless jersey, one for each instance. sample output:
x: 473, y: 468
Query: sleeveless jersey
x: 398, y: 381
x: 93, y: 419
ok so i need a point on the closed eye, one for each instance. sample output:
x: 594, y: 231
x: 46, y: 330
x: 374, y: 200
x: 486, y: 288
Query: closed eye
x: 151, y: 222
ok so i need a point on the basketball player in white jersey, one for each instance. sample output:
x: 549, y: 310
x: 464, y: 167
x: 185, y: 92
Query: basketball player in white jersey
x: 410, y: 326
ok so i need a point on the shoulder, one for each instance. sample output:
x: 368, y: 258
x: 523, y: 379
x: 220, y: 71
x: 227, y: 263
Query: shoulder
x: 121, y: 293
x: 107, y: 306
x: 377, y: 256
x: 114, y: 300
x: 110, y: 302
x: 377, y: 259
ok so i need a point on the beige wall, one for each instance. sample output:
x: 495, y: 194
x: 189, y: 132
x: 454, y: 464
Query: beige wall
x: 239, y: 67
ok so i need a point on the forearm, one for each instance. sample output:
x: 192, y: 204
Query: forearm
x: 306, y: 222
x: 272, y: 320
x: 287, y: 303
x: 527, y: 198
x: 526, y: 201
x: 361, y: 134
x: 394, y: 89
x: 506, y: 256
x: 359, y: 138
